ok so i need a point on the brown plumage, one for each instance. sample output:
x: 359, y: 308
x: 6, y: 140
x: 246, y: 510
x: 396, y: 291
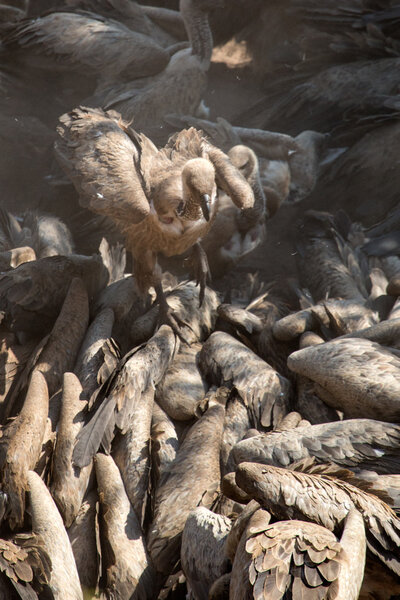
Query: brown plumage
x: 329, y: 265
x: 45, y: 234
x: 337, y: 316
x: 126, y: 301
x: 352, y: 443
x: 69, y: 483
x: 231, y: 490
x: 235, y: 233
x: 237, y: 422
x: 219, y: 590
x: 163, y: 200
x: 131, y: 453
x: 304, y: 164
x: 298, y: 558
x: 194, y: 471
x: 9, y: 259
x: 126, y: 565
x: 182, y: 386
x: 378, y: 583
x: 255, y: 326
x: 20, y: 446
x: 118, y: 397
x: 331, y: 92
x: 354, y: 375
x: 364, y: 161
x: 292, y: 420
x: 388, y: 485
x: 224, y: 359
x: 239, y: 525
x: 385, y: 333
x: 104, y: 48
x: 245, y: 160
x: 272, y: 148
x: 164, y: 444
x: 326, y: 501
x: 275, y: 179
x: 184, y: 299
x: 61, y: 347
x: 91, y: 357
x: 82, y: 535
x: 150, y: 21
x: 47, y: 522
x: 179, y: 87
x: 13, y: 357
x: 33, y: 293
x: 268, y: 144
x: 24, y: 566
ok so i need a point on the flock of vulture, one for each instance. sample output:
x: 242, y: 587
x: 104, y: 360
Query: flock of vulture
x: 199, y: 300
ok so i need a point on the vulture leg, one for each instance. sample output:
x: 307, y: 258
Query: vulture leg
x: 201, y: 269
x: 167, y: 316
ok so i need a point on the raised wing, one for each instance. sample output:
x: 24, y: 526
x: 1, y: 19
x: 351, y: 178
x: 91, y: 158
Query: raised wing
x: 102, y: 161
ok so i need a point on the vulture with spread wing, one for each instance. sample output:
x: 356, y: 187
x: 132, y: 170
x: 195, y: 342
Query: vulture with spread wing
x: 163, y: 200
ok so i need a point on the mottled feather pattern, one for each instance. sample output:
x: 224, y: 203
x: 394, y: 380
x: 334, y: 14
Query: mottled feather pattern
x: 363, y: 443
x: 295, y: 557
x: 326, y: 501
x: 119, y: 395
x: 225, y: 360
x: 361, y: 376
x: 86, y: 39
x: 24, y: 560
x: 202, y: 552
x: 99, y: 157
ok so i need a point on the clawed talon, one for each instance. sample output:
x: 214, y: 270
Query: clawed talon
x: 166, y: 316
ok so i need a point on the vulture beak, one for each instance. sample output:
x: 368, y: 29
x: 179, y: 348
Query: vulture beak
x: 204, y: 203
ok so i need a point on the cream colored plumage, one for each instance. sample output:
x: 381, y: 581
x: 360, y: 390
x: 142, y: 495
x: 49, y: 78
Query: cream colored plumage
x: 202, y: 552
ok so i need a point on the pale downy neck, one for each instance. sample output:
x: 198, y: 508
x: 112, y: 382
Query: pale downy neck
x: 250, y: 170
x: 198, y: 30
x: 199, y: 189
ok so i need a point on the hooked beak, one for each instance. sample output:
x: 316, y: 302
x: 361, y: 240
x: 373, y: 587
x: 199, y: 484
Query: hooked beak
x: 204, y: 204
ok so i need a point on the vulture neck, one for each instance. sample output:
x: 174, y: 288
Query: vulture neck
x: 192, y: 210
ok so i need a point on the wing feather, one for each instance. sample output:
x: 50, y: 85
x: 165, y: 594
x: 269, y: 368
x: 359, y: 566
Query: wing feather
x: 102, y: 161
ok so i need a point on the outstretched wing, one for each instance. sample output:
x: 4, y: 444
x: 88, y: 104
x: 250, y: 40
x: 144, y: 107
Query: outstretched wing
x: 96, y: 152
